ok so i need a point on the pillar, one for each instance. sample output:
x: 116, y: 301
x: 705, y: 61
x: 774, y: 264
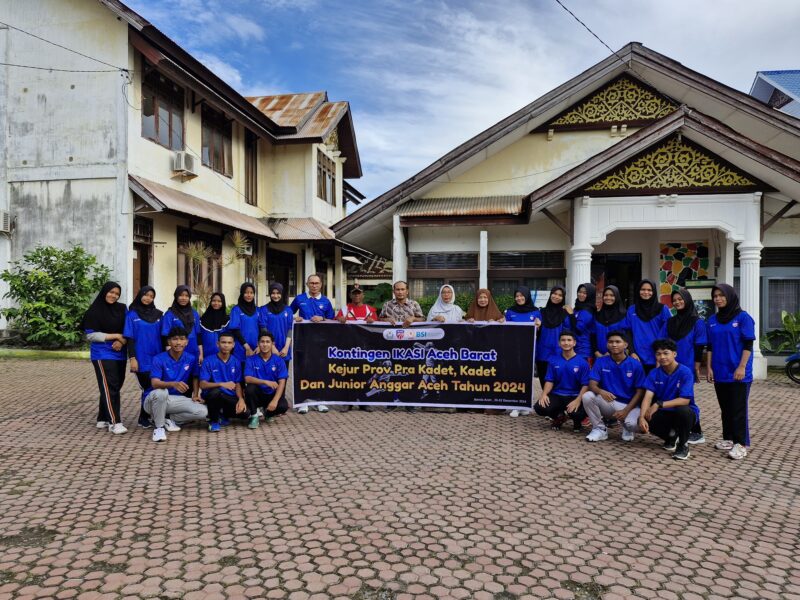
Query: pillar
x: 483, y: 261
x: 310, y: 266
x: 340, y: 279
x: 579, y: 261
x: 750, y: 278
x: 399, y: 252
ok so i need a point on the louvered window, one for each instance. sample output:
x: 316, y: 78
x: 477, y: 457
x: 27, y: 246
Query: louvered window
x: 776, y: 257
x: 449, y: 260
x: 526, y: 260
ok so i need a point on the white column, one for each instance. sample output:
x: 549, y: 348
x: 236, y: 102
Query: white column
x: 329, y: 281
x: 340, y: 278
x: 310, y: 264
x: 399, y: 256
x: 483, y: 261
x: 750, y: 278
x: 725, y: 273
x: 579, y: 261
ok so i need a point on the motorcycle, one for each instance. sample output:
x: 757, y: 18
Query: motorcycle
x: 793, y: 366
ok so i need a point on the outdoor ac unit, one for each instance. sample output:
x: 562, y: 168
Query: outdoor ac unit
x: 246, y: 251
x: 185, y: 164
x: 5, y: 221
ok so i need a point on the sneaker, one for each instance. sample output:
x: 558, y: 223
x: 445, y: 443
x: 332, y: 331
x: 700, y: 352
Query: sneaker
x: 724, y: 445
x: 103, y: 425
x: 159, y: 434
x: 171, y: 425
x: 144, y: 423
x: 302, y: 410
x: 514, y: 414
x: 738, y: 452
x: 696, y: 438
x: 597, y: 435
x: 253, y: 422
x: 365, y: 408
x: 214, y: 427
x: 627, y: 434
x: 347, y: 408
x: 223, y: 422
x: 671, y: 444
x: 681, y: 453
x: 322, y: 408
x: 259, y: 412
x: 269, y: 420
x: 117, y: 429
x: 558, y: 422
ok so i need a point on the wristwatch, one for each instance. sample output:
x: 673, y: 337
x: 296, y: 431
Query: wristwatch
x: 660, y: 403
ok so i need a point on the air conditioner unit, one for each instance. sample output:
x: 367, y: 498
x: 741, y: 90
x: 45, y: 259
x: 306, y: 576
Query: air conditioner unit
x: 185, y: 164
x: 246, y: 251
x: 5, y: 221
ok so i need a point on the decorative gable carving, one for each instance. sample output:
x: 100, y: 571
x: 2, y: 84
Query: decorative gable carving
x: 676, y: 165
x: 623, y: 101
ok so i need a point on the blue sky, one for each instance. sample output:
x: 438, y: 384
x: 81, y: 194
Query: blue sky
x: 422, y: 77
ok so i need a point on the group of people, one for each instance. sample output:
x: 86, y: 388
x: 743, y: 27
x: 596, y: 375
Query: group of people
x: 605, y: 365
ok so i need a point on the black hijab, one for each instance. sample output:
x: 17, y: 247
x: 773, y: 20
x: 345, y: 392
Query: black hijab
x: 215, y: 319
x: 525, y: 308
x: 553, y: 314
x: 184, y: 313
x: 647, y: 310
x: 276, y: 307
x: 102, y: 316
x: 248, y: 308
x: 732, y: 308
x: 147, y: 312
x: 608, y: 315
x: 590, y: 304
x: 682, y: 324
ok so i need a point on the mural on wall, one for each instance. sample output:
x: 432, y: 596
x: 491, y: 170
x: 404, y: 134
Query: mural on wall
x: 681, y: 262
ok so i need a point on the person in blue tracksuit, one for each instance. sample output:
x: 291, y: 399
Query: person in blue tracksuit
x: 213, y: 322
x: 647, y: 319
x: 265, y: 377
x: 221, y: 384
x: 312, y: 305
x: 522, y: 311
x: 276, y: 318
x: 244, y: 323
x: 104, y: 324
x: 554, y: 320
x: 611, y: 316
x: 731, y: 337
x: 566, y: 382
x: 181, y: 314
x: 143, y: 333
x: 582, y: 319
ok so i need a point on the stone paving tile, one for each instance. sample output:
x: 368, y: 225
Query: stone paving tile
x: 385, y: 505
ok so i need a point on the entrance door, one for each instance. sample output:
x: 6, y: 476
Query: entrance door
x: 621, y: 270
x: 141, y: 266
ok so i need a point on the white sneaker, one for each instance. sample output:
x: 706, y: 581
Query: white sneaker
x: 724, y: 445
x: 159, y: 435
x: 597, y: 435
x: 514, y: 414
x: 103, y: 425
x: 627, y: 434
x: 259, y: 412
x: 302, y: 410
x: 117, y: 429
x: 171, y: 425
x: 738, y: 452
x: 322, y: 408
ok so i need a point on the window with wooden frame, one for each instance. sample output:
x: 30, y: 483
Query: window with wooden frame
x: 251, y: 167
x: 162, y: 109
x: 326, y: 178
x: 200, y: 273
x: 217, y: 141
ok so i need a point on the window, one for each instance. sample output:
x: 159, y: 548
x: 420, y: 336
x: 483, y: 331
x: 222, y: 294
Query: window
x: 420, y: 288
x: 507, y: 287
x: 282, y: 267
x: 251, y: 167
x: 782, y: 294
x: 448, y: 260
x: 203, y: 274
x: 326, y: 178
x: 162, y: 110
x: 526, y: 260
x: 216, y: 143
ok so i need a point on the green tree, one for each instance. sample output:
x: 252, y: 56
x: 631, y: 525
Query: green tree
x: 52, y: 288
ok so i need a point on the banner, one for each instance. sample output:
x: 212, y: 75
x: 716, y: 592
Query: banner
x: 457, y: 365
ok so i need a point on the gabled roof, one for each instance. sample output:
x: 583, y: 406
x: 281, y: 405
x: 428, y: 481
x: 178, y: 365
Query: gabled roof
x: 787, y: 81
x: 289, y: 110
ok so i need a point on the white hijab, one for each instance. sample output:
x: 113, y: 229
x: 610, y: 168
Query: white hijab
x: 451, y: 312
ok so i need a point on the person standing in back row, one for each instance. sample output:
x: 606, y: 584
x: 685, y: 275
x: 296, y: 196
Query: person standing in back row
x: 143, y: 332
x: 647, y: 319
x: 244, y: 323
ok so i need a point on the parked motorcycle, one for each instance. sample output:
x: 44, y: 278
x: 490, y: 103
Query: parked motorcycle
x: 793, y: 366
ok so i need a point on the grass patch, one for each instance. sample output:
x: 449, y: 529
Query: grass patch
x: 30, y: 536
x: 366, y: 592
x: 6, y: 577
x: 107, y: 567
x: 585, y: 591
x: 33, y: 354
x: 229, y: 561
x: 505, y: 596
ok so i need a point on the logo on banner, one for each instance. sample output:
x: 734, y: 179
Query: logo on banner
x: 409, y: 335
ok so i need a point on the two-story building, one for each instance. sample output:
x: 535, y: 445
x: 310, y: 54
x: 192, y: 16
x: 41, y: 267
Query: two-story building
x: 117, y: 139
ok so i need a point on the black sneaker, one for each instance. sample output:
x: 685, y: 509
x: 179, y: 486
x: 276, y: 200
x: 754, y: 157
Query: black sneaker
x: 671, y: 444
x: 145, y: 423
x: 681, y: 453
x: 365, y: 408
x: 577, y: 426
x: 558, y: 421
x: 696, y: 438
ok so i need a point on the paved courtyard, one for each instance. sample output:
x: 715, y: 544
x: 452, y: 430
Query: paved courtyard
x: 385, y: 505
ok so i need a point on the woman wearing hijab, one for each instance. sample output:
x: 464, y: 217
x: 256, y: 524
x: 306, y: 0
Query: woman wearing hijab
x: 244, y: 323
x: 523, y: 311
x: 554, y: 320
x: 445, y: 309
x: 582, y: 319
x: 276, y: 317
x: 731, y: 333
x: 484, y: 309
x: 181, y: 314
x: 611, y: 316
x: 213, y: 322
x: 104, y: 324
x: 647, y: 319
x: 143, y: 334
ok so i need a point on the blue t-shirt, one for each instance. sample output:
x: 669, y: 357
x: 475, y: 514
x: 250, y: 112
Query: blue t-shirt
x: 147, y: 336
x: 687, y: 344
x: 646, y: 332
x: 621, y: 379
x: 583, y: 328
x: 215, y: 370
x: 680, y: 384
x: 272, y: 369
x: 279, y: 325
x: 567, y: 376
x: 727, y: 344
x: 170, y: 320
x: 601, y: 333
x: 312, y: 307
x: 528, y: 317
x: 209, y: 339
x: 104, y: 351
x: 547, y: 345
x: 248, y: 326
x: 165, y: 368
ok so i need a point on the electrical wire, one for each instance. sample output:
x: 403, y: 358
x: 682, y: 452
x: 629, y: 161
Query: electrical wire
x: 5, y: 64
